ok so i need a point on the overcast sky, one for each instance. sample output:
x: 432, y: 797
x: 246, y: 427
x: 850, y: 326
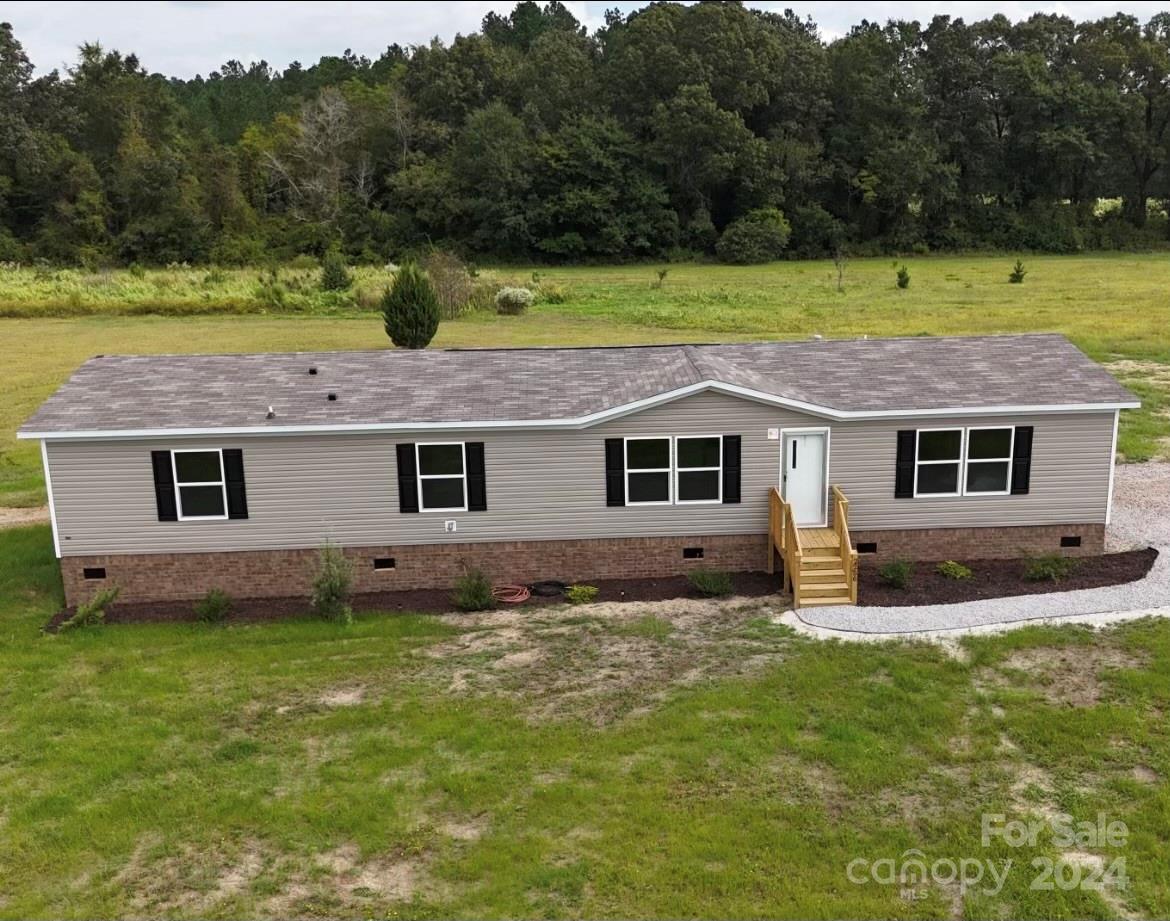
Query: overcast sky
x: 196, y: 36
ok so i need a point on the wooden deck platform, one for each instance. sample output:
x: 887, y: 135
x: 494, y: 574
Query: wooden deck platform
x: 819, y: 539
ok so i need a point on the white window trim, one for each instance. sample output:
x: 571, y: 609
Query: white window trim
x: 967, y: 459
x: 420, y: 476
x: 667, y: 469
x: 678, y: 470
x: 957, y: 461
x: 221, y: 483
x: 964, y: 460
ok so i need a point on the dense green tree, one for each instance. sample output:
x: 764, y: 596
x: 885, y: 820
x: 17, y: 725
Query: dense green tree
x: 663, y: 130
x: 410, y: 308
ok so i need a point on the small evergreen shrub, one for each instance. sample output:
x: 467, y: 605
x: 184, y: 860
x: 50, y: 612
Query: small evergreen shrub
x: 1018, y: 272
x: 903, y: 277
x: 331, y: 586
x: 1051, y: 567
x: 896, y: 573
x: 759, y: 236
x: 513, y: 301
x: 710, y: 582
x: 215, y: 607
x: 473, y: 592
x: 335, y: 274
x: 410, y: 309
x: 952, y: 570
x: 93, y: 612
x: 581, y: 594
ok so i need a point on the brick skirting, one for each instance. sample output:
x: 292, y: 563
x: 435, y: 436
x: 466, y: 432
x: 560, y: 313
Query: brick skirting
x: 982, y: 543
x: 289, y: 573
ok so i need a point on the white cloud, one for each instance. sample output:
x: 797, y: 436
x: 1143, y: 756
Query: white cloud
x: 185, y: 38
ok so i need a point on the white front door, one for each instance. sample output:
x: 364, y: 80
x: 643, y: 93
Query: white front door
x: 804, y: 477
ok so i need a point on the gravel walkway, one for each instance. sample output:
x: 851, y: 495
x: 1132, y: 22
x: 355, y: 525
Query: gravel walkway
x: 1141, y: 518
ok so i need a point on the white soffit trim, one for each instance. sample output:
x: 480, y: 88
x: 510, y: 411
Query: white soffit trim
x: 581, y: 422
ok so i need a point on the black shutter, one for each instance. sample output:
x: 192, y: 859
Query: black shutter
x: 1022, y: 461
x: 233, y: 475
x: 164, y: 486
x: 615, y: 471
x: 407, y: 478
x: 904, y: 470
x: 731, y: 466
x: 476, y: 480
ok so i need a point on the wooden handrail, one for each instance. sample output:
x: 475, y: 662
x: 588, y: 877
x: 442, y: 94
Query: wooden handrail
x: 784, y: 535
x: 841, y: 527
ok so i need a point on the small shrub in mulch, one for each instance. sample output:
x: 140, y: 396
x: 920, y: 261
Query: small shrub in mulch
x: 581, y: 594
x: 951, y: 570
x: 1052, y: 567
x: 473, y: 592
x: 1001, y: 579
x: 711, y: 582
x: 896, y: 573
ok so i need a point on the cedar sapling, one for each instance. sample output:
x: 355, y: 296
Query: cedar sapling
x: 410, y: 309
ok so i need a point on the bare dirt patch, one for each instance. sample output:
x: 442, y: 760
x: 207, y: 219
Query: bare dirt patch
x: 343, y: 697
x: 186, y: 880
x: 1143, y: 773
x: 469, y: 829
x: 606, y: 660
x: 18, y: 517
x: 1069, y: 675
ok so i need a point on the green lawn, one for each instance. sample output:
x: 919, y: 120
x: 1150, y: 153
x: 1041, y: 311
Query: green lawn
x: 578, y: 762
x: 1114, y: 307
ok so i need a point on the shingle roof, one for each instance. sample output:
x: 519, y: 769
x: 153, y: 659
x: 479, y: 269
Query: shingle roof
x: 856, y: 376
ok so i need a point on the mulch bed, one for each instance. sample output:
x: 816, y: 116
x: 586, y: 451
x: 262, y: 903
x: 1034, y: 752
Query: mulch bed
x: 999, y: 579
x: 427, y: 601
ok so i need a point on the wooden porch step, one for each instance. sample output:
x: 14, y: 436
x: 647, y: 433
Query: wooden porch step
x: 820, y: 563
x: 821, y: 602
x: 822, y: 588
x: 820, y: 576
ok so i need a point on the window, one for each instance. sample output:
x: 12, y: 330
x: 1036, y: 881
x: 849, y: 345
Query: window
x: 648, y: 471
x: 989, y: 461
x: 938, y: 462
x: 442, y: 477
x: 200, y: 491
x: 699, y: 469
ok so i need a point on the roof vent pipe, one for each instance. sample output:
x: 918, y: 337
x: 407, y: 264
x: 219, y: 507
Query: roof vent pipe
x: 271, y: 413
x: 332, y: 398
x: 312, y: 370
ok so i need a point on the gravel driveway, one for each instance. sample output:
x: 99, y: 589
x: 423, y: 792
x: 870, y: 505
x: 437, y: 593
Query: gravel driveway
x: 1141, y: 518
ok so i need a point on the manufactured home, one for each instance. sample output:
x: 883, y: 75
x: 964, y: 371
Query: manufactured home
x: 169, y: 475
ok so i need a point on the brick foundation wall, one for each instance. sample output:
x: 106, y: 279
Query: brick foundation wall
x: 289, y: 573
x: 981, y: 543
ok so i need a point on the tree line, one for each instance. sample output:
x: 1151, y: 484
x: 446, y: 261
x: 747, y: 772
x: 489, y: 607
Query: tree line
x: 670, y: 131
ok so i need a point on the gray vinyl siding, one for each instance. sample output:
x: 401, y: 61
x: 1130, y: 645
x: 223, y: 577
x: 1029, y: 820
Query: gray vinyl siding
x: 305, y: 489
x: 1069, y: 485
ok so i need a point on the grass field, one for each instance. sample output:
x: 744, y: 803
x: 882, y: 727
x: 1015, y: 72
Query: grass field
x: 673, y: 760
x: 1114, y: 307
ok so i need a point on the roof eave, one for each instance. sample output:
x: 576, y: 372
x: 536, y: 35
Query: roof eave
x: 579, y: 422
